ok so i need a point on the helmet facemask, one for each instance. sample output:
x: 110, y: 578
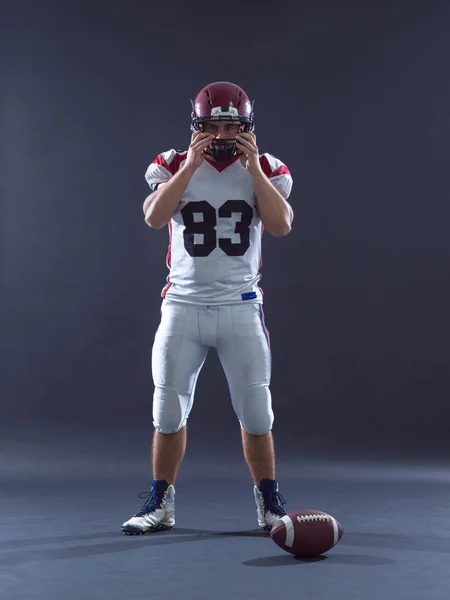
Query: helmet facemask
x: 224, y: 149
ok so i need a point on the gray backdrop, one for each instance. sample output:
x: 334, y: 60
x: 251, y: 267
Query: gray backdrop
x: 353, y: 96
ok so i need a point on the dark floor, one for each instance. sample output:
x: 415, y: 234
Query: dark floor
x: 61, y: 535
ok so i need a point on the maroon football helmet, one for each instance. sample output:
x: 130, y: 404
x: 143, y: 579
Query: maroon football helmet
x: 222, y: 101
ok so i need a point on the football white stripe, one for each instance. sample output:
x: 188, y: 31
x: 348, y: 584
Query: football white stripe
x: 335, y: 531
x: 289, y: 530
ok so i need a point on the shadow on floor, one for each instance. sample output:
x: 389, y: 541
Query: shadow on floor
x: 66, y: 547
x: 286, y: 560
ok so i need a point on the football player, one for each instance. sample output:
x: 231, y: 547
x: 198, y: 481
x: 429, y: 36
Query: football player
x: 216, y: 198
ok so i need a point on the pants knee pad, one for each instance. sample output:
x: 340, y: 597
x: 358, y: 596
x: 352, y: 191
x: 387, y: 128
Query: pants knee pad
x: 170, y: 410
x: 255, y: 412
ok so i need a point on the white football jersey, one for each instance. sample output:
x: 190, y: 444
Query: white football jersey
x: 214, y: 252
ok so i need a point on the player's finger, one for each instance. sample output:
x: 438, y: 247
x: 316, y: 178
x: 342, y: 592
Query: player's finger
x: 243, y: 140
x: 248, y: 146
x: 199, y: 143
x: 247, y: 151
x: 198, y: 132
x: 200, y: 147
x: 202, y: 144
x: 249, y: 135
x: 198, y: 135
x: 244, y: 144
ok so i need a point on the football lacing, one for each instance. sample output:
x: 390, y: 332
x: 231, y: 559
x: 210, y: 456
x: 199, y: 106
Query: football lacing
x: 153, y: 500
x: 305, y: 518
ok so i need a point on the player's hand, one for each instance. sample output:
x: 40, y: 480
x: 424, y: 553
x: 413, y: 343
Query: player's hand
x: 246, y: 143
x: 199, y: 142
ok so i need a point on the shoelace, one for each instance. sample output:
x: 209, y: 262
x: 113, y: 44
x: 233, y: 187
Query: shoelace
x: 152, y: 502
x: 275, y: 503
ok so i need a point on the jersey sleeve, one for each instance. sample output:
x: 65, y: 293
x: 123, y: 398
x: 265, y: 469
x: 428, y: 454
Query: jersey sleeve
x: 164, y: 167
x: 278, y: 174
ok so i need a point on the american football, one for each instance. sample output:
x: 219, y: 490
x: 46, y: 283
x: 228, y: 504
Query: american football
x: 307, y: 532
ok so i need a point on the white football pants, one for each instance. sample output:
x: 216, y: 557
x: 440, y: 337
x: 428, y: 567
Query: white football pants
x: 181, y: 345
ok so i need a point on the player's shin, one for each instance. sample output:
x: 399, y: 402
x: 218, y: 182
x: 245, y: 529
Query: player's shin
x: 259, y: 454
x: 167, y: 454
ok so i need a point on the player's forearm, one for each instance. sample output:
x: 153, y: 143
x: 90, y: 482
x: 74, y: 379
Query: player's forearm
x: 275, y: 213
x: 160, y: 205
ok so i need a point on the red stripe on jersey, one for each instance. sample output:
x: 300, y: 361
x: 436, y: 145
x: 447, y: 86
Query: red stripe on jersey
x: 169, y: 249
x: 160, y: 160
x: 168, y: 260
x: 283, y: 170
x: 165, y: 290
x: 174, y: 164
x: 265, y: 166
x: 260, y: 257
x: 263, y: 321
x: 222, y: 166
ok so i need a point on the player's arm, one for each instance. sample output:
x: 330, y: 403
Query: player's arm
x: 163, y: 202
x: 275, y: 212
x: 160, y: 205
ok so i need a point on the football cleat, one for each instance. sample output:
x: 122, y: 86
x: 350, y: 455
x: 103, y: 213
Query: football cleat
x: 269, y: 503
x: 158, y: 512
